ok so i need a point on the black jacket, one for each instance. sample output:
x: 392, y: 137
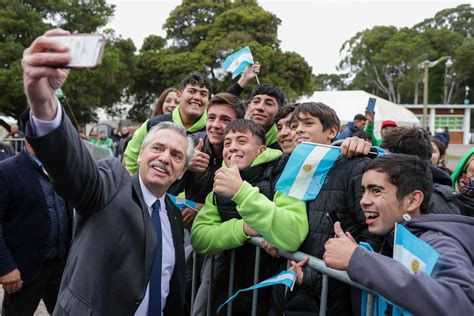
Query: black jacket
x: 340, y: 194
x: 443, y: 200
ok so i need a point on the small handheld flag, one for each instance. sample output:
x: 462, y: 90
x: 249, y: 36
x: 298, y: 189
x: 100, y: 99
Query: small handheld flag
x: 238, y: 61
x: 182, y: 203
x: 306, y: 170
x: 412, y: 252
x: 286, y: 278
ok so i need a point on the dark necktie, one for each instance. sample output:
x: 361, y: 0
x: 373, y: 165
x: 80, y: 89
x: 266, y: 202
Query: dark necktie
x: 154, y: 303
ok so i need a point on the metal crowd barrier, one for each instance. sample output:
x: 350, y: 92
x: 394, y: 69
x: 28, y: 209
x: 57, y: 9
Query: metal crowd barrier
x: 313, y: 262
x: 16, y: 143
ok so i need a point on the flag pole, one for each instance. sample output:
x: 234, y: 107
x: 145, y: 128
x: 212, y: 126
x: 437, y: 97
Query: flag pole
x: 258, y: 82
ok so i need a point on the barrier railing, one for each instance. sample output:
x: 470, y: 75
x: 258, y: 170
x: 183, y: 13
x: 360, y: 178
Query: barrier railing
x: 313, y: 262
x: 16, y: 143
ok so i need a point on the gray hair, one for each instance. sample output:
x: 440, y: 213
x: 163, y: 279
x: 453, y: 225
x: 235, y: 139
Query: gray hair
x: 175, y: 127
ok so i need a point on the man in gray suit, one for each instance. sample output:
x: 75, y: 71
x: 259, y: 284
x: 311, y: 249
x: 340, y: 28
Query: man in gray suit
x: 127, y: 253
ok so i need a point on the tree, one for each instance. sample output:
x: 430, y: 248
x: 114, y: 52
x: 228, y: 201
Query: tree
x: 459, y: 20
x: 22, y: 21
x: 200, y: 35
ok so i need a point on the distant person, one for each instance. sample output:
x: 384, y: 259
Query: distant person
x: 363, y: 135
x: 439, y: 156
x: 104, y: 141
x: 385, y: 127
x: 463, y: 182
x: 167, y: 102
x: 395, y: 189
x: 15, y: 133
x: 358, y: 124
x: 443, y: 136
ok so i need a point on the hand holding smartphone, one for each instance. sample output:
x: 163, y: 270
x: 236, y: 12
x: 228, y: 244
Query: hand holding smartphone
x: 371, y: 105
x: 86, y: 50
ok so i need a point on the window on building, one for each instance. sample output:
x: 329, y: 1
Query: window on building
x: 453, y: 122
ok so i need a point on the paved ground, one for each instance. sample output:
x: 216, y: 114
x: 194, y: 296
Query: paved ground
x: 455, y: 152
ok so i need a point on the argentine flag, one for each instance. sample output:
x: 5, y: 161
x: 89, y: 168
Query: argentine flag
x: 286, y: 278
x: 412, y: 252
x: 238, y: 61
x: 306, y: 170
x: 182, y: 203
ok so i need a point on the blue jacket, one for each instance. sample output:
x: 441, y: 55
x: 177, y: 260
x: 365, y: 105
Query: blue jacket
x: 348, y: 132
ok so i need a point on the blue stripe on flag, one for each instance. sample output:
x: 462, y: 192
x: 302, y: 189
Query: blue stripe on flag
x: 306, y: 170
x: 238, y: 61
x: 421, y: 250
x: 286, y: 278
x: 181, y: 203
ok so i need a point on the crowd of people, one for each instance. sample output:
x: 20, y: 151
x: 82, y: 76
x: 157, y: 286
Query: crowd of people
x: 126, y: 249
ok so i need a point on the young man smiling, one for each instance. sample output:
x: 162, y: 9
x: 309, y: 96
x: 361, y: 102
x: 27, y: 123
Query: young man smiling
x: 339, y: 195
x: 243, y: 204
x: 193, y: 97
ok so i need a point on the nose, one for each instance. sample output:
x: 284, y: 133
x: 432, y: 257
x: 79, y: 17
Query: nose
x: 365, y: 201
x: 259, y: 106
x: 164, y: 157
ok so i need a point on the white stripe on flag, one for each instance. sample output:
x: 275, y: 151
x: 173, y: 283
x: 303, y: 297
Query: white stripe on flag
x: 409, y: 260
x: 245, y: 57
x: 303, y: 178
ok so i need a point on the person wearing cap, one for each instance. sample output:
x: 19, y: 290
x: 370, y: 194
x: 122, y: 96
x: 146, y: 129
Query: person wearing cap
x: 387, y: 125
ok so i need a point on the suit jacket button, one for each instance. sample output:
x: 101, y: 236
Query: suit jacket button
x: 137, y: 301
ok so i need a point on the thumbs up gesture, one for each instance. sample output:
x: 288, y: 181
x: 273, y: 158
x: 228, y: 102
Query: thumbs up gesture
x: 200, y: 160
x: 227, y: 181
x: 339, y: 250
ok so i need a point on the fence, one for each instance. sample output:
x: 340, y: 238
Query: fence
x: 313, y: 262
x: 16, y: 143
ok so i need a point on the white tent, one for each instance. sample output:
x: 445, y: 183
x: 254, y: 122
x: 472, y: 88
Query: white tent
x: 349, y: 103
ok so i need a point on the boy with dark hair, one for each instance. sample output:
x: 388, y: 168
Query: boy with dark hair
x: 339, y: 195
x: 417, y: 142
x: 265, y: 101
x: 285, y: 135
x: 395, y: 190
x: 244, y: 204
x: 193, y: 97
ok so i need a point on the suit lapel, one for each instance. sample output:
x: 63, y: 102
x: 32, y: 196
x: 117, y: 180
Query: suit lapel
x: 30, y: 175
x: 150, y: 235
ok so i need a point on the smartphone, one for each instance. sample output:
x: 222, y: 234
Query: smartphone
x: 332, y: 218
x: 86, y: 49
x: 371, y: 105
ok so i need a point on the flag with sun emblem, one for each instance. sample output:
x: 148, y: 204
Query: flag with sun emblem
x: 306, y: 170
x: 412, y: 252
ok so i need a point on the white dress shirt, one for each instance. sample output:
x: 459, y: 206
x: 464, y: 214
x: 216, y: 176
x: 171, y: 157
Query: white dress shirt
x: 168, y: 257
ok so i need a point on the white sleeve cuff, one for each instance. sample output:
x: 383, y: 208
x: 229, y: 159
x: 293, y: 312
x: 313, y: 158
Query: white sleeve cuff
x: 45, y: 127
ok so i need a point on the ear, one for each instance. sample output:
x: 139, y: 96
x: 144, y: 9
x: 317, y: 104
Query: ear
x: 178, y: 96
x: 413, y: 202
x: 332, y: 134
x: 262, y: 148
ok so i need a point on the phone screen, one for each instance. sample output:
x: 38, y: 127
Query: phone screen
x: 371, y: 105
x: 85, y: 49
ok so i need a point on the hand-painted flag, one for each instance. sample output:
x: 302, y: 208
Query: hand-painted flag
x: 306, y: 170
x: 412, y: 252
x: 182, y: 203
x: 286, y: 278
x: 238, y: 61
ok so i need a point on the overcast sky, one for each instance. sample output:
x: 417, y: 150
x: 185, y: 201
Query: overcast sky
x: 314, y: 29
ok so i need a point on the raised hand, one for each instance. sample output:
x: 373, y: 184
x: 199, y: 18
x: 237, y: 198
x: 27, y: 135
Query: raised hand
x: 200, y: 160
x: 298, y: 268
x: 227, y: 181
x: 339, y: 250
x: 42, y: 75
x: 248, y: 74
x: 355, y: 146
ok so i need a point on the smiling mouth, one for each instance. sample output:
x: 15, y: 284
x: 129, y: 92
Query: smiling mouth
x: 155, y: 166
x: 371, y: 217
x: 301, y: 139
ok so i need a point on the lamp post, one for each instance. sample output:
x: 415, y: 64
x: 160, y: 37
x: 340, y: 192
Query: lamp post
x: 448, y: 81
x: 426, y: 65
x: 466, y: 99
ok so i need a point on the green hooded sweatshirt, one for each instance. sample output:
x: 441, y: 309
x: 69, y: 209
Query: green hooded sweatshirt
x: 457, y: 172
x: 133, y: 147
x: 283, y: 222
x: 271, y: 135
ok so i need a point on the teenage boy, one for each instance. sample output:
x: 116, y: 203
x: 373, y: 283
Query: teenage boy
x: 243, y: 204
x: 193, y: 97
x: 285, y: 134
x: 340, y: 195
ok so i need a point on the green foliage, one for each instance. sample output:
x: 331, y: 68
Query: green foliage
x: 22, y: 21
x: 200, y: 35
x: 384, y: 60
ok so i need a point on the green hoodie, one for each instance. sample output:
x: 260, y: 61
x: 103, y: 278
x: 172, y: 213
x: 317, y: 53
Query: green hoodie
x: 133, y: 147
x: 457, y: 172
x: 271, y: 135
x: 370, y: 130
x: 283, y: 222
